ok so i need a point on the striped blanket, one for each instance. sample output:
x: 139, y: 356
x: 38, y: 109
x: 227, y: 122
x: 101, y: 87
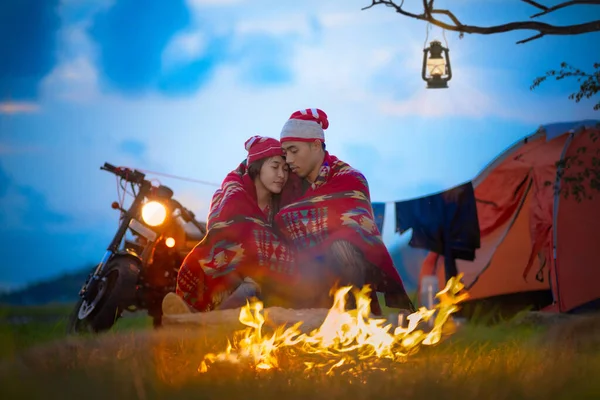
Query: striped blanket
x: 239, y: 242
x: 335, y: 207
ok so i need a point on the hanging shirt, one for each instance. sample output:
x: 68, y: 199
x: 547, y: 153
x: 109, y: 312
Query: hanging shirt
x: 444, y: 219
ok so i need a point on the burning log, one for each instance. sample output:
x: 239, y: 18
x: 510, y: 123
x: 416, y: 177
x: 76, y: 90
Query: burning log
x: 346, y: 341
x: 275, y: 317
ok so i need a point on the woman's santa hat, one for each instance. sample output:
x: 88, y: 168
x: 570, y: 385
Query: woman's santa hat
x: 260, y: 147
x: 305, y: 126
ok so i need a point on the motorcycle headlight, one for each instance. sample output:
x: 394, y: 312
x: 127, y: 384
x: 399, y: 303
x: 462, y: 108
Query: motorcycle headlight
x: 154, y: 213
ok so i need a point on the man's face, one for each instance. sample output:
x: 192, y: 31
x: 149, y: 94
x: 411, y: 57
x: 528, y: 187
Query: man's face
x: 302, y: 157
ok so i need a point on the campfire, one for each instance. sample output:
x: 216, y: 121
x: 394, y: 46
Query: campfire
x: 348, y: 341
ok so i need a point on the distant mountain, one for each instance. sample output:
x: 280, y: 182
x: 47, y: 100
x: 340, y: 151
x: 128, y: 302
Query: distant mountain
x: 62, y: 289
x: 65, y: 288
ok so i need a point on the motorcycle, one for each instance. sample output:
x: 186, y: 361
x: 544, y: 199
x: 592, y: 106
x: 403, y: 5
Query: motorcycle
x: 136, y: 272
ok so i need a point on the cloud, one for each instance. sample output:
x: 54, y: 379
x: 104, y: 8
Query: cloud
x: 74, y: 79
x: 379, y: 166
x: 461, y: 101
x: 184, y: 47
x: 264, y: 59
x: 131, y: 42
x: 475, y: 91
x: 24, y: 208
x: 293, y: 24
x: 108, y: 49
x: 77, y: 11
x: 28, y: 31
x: 18, y: 107
x: 182, y: 78
x: 343, y: 19
x: 169, y: 52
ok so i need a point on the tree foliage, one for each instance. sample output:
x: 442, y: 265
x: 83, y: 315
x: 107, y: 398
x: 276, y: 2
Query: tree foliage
x: 576, y: 178
x: 589, y: 82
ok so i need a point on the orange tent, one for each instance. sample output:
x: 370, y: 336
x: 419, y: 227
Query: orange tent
x: 534, y: 240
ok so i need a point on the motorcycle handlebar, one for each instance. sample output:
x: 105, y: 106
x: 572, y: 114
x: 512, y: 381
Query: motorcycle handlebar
x: 139, y: 177
x: 187, y: 215
x: 125, y: 173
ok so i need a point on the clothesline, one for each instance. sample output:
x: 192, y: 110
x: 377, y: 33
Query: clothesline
x: 213, y: 184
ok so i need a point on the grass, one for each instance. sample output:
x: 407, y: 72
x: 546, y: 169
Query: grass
x: 504, y: 361
x: 22, y: 327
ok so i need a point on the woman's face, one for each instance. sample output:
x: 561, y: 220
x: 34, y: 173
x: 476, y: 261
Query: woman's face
x: 274, y: 174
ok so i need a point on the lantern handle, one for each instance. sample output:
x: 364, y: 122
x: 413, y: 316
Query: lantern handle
x: 444, y: 35
x: 446, y: 50
x: 448, y: 64
x: 425, y: 50
x: 427, y: 29
x: 423, y: 69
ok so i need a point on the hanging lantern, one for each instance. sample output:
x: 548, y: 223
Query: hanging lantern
x: 436, y: 68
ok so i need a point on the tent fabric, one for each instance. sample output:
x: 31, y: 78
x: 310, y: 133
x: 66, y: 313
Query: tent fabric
x: 521, y: 224
x: 577, y: 233
x: 558, y: 129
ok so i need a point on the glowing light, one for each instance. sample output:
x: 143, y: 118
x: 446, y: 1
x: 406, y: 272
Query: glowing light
x: 154, y: 213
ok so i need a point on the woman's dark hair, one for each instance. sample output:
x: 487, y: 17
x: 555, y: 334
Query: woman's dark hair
x: 254, y: 171
x: 254, y: 168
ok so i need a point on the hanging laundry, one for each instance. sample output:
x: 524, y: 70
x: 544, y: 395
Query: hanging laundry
x: 379, y: 214
x: 445, y: 223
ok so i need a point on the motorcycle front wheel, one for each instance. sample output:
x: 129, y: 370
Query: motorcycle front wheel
x: 115, y: 292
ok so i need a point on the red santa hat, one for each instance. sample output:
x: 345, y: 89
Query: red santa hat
x: 305, y: 126
x: 260, y: 147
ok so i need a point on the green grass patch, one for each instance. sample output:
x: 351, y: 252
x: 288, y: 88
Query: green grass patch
x: 22, y: 327
x: 480, y: 361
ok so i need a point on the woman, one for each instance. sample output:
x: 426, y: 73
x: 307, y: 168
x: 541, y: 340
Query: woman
x: 267, y: 172
x: 240, y: 241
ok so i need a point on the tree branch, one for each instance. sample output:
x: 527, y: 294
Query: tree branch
x: 449, y: 15
x: 535, y: 4
x: 539, y: 35
x: 547, y: 10
x: 542, y: 28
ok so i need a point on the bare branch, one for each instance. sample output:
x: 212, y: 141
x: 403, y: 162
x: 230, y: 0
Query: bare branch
x: 535, y: 4
x: 539, y: 35
x: 563, y: 5
x: 450, y: 15
x: 542, y: 28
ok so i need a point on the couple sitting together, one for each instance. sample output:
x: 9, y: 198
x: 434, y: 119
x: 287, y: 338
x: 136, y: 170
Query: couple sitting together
x: 288, y: 225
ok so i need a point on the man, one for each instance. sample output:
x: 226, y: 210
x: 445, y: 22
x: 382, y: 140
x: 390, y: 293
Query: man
x: 328, y: 217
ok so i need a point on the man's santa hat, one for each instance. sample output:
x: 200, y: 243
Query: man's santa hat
x: 260, y: 147
x: 305, y: 126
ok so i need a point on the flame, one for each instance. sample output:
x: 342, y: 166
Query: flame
x: 347, y: 340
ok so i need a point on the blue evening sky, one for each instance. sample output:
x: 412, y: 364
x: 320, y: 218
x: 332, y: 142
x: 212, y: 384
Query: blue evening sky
x: 177, y: 86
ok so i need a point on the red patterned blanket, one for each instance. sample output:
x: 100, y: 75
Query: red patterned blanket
x: 239, y: 242
x: 337, y: 207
